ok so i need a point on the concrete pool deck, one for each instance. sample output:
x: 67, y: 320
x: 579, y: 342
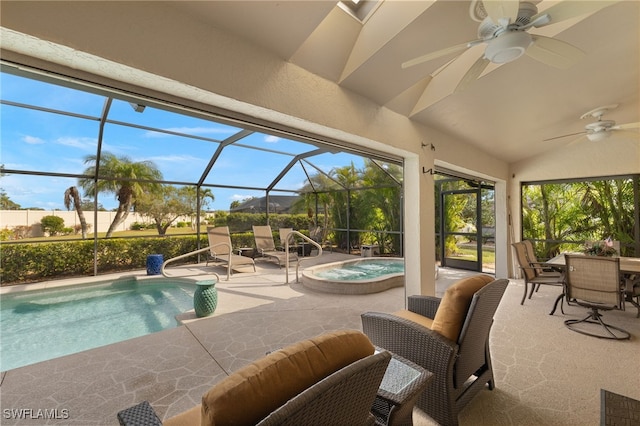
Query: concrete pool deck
x: 539, y: 380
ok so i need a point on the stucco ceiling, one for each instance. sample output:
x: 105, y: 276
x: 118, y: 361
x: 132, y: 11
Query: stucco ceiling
x: 508, y: 111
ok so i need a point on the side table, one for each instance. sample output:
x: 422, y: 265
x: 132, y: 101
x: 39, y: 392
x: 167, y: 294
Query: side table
x: 402, y: 384
x: 139, y: 415
x: 247, y: 252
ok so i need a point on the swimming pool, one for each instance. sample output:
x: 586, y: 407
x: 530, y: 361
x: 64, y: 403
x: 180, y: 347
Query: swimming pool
x: 358, y: 276
x: 44, y: 324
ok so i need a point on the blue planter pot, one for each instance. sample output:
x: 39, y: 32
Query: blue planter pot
x: 154, y: 264
x: 205, y: 298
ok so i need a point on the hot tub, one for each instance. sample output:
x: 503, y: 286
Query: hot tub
x: 358, y: 276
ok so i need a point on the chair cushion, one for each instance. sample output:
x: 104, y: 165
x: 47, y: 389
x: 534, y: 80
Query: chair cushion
x: 417, y: 318
x: 454, y: 305
x: 190, y: 417
x: 251, y: 393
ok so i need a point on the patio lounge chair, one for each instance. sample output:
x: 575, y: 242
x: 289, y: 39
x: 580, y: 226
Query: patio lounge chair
x: 448, y: 337
x: 222, y: 251
x: 317, y: 234
x: 265, y: 246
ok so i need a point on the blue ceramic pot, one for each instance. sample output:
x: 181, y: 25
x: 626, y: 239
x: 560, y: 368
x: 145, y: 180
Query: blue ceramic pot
x: 154, y: 264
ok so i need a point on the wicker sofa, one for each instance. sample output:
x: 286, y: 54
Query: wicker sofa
x: 330, y: 379
x: 449, y: 337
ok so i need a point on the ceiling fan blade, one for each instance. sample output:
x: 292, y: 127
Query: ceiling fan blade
x: 570, y: 9
x: 473, y: 74
x: 626, y: 134
x: 563, y: 136
x: 500, y: 9
x: 627, y: 126
x: 436, y: 54
x: 551, y: 51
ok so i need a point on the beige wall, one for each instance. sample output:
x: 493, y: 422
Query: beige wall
x: 205, y: 65
x: 9, y: 219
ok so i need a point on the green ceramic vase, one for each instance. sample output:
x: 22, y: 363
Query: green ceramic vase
x: 205, y: 298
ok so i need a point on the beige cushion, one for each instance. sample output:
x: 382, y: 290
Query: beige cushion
x: 190, y: 417
x: 455, y: 303
x: 250, y: 394
x: 417, y: 318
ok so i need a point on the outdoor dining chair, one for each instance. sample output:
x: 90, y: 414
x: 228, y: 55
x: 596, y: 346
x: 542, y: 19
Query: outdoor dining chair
x: 534, y: 277
x: 594, y: 283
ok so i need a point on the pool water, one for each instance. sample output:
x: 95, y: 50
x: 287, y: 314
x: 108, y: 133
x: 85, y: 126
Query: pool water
x: 41, y: 325
x: 361, y: 271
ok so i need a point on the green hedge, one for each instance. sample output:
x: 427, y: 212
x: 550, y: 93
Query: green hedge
x: 38, y: 261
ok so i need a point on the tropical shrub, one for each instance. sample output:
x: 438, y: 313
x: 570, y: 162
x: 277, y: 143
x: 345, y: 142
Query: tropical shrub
x: 52, y: 224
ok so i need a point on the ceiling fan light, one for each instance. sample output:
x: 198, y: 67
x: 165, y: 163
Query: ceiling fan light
x: 507, y: 47
x: 597, y: 136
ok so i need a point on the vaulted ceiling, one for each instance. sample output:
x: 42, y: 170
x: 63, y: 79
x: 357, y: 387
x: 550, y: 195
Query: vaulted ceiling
x: 509, y: 111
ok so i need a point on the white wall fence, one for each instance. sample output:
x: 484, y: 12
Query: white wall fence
x: 11, y: 219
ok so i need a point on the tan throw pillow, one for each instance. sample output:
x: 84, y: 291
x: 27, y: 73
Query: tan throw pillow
x: 250, y: 394
x: 454, y: 305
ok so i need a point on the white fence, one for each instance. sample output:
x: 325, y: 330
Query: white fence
x: 30, y: 219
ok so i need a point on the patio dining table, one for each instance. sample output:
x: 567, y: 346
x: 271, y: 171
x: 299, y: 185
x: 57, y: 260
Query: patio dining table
x: 628, y: 265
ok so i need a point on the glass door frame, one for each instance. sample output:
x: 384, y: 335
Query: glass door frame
x: 460, y: 263
x: 476, y: 186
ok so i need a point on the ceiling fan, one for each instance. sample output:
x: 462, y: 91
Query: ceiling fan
x: 600, y: 129
x: 504, y: 26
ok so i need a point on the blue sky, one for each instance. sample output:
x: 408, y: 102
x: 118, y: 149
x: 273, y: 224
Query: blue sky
x: 48, y: 142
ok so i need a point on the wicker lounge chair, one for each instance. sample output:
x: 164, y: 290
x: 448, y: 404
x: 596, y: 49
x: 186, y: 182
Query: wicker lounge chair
x: 332, y: 379
x: 222, y: 251
x: 449, y: 337
x: 266, y: 247
x: 594, y: 282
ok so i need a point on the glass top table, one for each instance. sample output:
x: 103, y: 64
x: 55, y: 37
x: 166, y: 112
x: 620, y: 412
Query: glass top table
x: 400, y: 388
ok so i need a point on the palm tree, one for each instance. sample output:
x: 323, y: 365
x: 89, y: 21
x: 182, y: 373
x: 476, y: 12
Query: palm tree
x: 72, y: 196
x: 122, y: 177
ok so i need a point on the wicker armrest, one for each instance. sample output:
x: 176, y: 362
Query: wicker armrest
x: 424, y: 305
x: 409, y: 340
x: 139, y: 415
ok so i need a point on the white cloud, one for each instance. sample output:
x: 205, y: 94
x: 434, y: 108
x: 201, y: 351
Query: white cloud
x: 84, y: 143
x: 175, y: 159
x: 271, y: 139
x: 32, y: 140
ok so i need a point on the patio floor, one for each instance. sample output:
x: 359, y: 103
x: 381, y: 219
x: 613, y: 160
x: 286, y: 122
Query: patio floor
x: 545, y: 374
